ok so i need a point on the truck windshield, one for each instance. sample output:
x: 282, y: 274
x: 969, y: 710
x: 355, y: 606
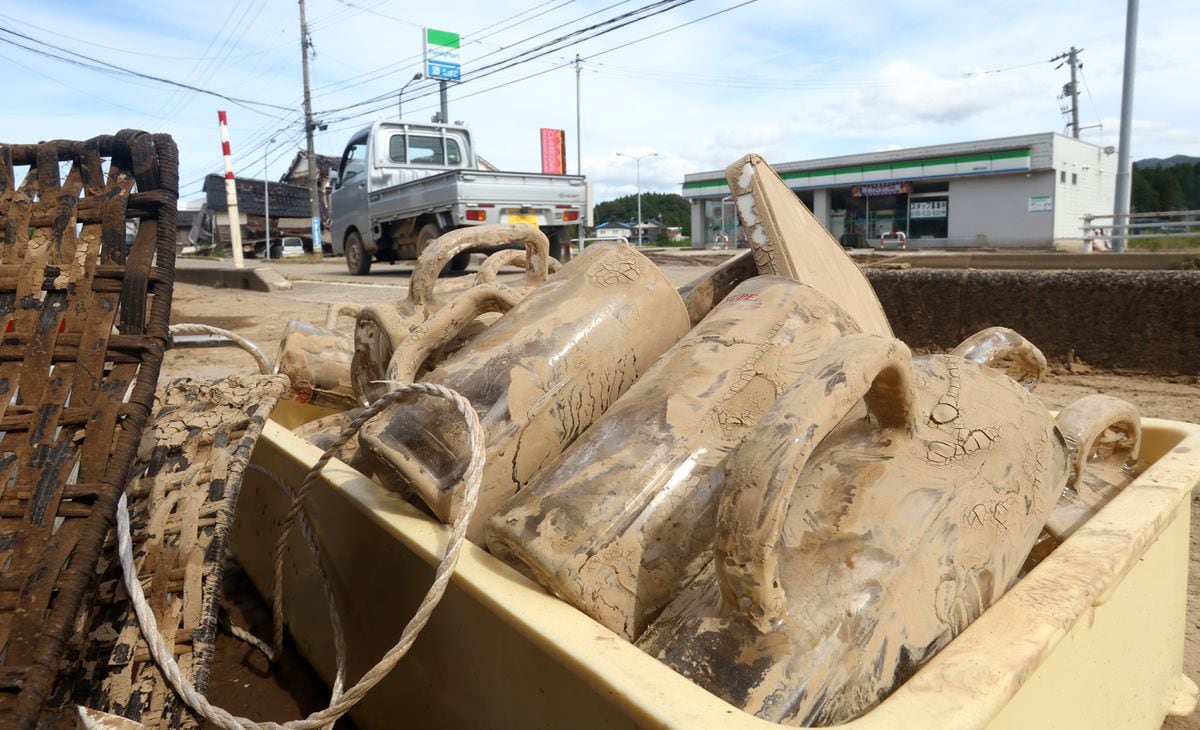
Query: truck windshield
x: 354, y: 160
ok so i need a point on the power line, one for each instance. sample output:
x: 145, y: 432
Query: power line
x: 96, y: 64
x: 615, y: 23
x: 122, y: 50
x: 1006, y: 68
x: 213, y: 64
x: 468, y: 39
x: 658, y: 34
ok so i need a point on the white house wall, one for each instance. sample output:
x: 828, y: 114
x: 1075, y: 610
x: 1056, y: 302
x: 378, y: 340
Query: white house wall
x: 1090, y: 191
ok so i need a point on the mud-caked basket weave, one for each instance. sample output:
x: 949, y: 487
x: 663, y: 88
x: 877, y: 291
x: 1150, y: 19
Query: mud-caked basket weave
x: 189, y: 470
x: 86, y: 269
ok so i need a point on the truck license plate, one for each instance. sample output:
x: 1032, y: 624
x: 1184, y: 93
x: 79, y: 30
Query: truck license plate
x: 529, y: 220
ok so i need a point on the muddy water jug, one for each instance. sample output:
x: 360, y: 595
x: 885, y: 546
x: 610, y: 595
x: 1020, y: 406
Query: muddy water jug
x: 538, y: 377
x: 850, y: 550
x: 613, y: 525
x: 380, y: 328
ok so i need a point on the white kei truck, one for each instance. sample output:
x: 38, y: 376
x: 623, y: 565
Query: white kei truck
x: 399, y: 185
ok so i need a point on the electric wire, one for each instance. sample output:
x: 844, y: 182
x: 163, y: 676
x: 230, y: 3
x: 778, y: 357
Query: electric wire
x: 598, y: 29
x: 96, y: 64
x: 468, y: 39
x: 126, y: 51
x: 228, y: 45
x: 656, y: 34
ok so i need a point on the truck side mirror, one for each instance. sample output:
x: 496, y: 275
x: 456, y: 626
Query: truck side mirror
x: 333, y: 178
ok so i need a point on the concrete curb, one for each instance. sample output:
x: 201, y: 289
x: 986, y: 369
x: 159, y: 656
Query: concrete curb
x: 257, y: 278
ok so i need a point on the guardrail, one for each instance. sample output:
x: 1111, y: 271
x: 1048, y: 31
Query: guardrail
x: 1163, y: 224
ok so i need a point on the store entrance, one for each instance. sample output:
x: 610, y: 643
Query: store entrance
x: 860, y: 215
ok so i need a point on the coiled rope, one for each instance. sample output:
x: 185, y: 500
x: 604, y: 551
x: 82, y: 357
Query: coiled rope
x: 341, y: 702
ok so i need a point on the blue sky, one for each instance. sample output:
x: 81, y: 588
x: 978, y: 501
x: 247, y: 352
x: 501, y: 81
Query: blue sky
x: 790, y: 79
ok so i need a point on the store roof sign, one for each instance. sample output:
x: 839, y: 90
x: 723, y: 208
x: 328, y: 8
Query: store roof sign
x: 442, y: 59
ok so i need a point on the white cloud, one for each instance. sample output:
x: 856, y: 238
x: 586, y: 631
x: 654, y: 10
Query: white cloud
x: 791, y: 79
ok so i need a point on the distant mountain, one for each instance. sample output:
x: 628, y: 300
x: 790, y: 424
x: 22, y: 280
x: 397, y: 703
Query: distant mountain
x: 1157, y: 163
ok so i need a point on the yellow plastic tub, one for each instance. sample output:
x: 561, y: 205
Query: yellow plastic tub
x: 1092, y: 638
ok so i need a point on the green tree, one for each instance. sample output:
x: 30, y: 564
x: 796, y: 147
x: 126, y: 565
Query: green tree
x: 1170, y: 187
x: 673, y: 210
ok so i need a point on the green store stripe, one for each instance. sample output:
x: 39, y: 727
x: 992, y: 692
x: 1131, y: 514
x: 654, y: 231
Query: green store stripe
x: 903, y: 165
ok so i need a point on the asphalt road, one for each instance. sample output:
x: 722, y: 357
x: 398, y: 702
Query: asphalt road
x: 332, y: 270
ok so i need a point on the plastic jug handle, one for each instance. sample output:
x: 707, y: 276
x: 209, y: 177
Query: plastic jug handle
x: 1083, y: 423
x: 512, y: 257
x: 444, y: 326
x: 761, y: 474
x: 1006, y: 350
x: 439, y: 253
x: 337, y: 311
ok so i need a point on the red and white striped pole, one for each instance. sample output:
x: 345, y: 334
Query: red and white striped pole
x: 235, y: 218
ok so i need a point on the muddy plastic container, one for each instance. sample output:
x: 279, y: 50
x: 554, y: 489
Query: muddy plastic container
x: 1093, y: 637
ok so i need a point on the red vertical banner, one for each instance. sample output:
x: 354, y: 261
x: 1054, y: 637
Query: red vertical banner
x: 554, y: 152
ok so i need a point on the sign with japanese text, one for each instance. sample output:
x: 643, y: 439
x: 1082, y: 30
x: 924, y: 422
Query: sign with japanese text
x: 442, y: 60
x: 1040, y: 203
x: 928, y: 209
x: 554, y: 152
x: 873, y: 190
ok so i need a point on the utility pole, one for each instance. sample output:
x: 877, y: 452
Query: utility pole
x: 313, y: 195
x: 1124, y: 164
x: 578, y: 141
x: 1072, y: 89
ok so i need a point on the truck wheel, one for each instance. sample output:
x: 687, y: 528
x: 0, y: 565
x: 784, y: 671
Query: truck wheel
x: 428, y: 233
x: 358, y: 261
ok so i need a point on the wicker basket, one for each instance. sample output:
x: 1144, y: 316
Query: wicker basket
x: 85, y: 317
x: 190, y: 466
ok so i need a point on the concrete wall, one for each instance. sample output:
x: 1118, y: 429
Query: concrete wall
x: 994, y: 211
x: 1141, y: 320
x: 1089, y: 188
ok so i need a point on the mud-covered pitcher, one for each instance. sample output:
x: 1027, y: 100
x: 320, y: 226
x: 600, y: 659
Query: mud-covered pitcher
x: 616, y: 522
x: 380, y: 328
x: 538, y: 377
x: 850, y: 550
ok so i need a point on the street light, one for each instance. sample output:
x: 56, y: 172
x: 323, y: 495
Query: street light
x: 638, y: 160
x: 400, y: 97
x: 267, y: 197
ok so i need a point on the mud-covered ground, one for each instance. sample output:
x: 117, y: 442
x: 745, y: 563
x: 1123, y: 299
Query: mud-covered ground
x: 240, y: 679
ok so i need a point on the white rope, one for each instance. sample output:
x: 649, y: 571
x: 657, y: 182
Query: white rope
x: 260, y: 357
x: 163, y: 656
x: 335, y: 619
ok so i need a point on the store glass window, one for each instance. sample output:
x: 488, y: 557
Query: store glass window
x: 1062, y: 176
x: 720, y: 219
x: 929, y: 216
x: 1074, y: 178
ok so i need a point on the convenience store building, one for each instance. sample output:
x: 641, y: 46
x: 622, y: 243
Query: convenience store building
x: 1030, y: 191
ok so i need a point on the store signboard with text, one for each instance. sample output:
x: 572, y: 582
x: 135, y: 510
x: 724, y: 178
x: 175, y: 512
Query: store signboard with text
x: 928, y: 209
x: 442, y: 59
x: 875, y: 190
x: 554, y: 152
x: 1040, y: 203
